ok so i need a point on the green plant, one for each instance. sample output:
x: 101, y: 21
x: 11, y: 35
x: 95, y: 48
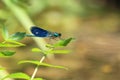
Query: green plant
x: 12, y: 41
x: 21, y: 13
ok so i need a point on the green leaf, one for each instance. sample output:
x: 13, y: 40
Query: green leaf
x: 38, y: 79
x: 63, y: 42
x: 59, y: 52
x: 11, y: 45
x: 17, y: 36
x: 40, y: 51
x: 5, y: 33
x: 17, y: 76
x: 51, y: 51
x: 53, y: 66
x: 36, y: 50
x: 42, y: 64
x: 16, y: 43
x: 6, y: 53
x: 49, y: 46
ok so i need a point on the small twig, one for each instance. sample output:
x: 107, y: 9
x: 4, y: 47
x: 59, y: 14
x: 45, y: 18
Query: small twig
x: 36, y: 69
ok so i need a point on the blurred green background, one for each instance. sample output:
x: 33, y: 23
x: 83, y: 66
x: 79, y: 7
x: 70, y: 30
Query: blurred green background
x: 95, y: 25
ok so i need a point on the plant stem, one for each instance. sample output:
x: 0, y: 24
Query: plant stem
x: 36, y: 69
x: 25, y: 20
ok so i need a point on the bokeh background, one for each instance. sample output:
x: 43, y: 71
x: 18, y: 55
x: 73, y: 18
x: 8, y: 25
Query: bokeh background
x: 95, y: 25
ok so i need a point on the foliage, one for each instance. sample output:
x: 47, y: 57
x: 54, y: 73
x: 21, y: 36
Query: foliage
x: 12, y: 41
x: 42, y: 64
x: 17, y: 76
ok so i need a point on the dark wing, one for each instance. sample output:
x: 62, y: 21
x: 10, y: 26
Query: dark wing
x: 39, y: 32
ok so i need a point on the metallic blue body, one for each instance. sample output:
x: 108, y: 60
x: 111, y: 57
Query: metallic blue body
x: 39, y: 32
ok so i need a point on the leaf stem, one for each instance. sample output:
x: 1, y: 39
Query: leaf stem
x: 36, y: 69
